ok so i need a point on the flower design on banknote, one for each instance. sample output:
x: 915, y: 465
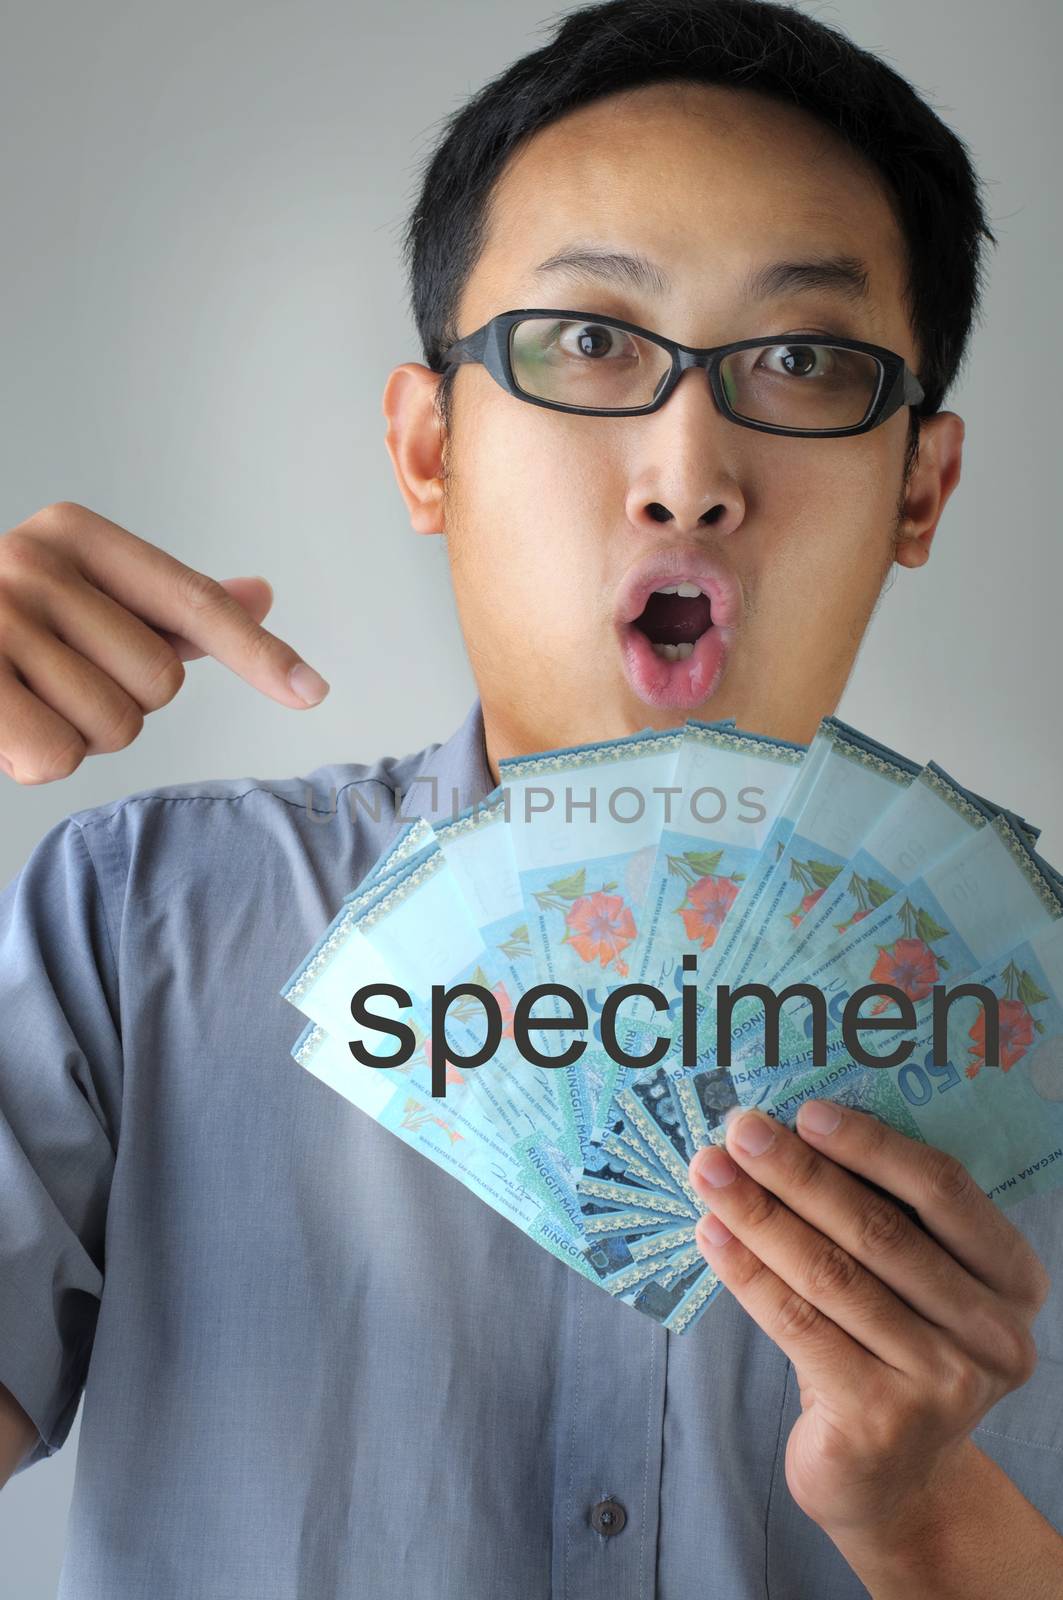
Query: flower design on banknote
x: 1017, y: 1022
x: 452, y: 1073
x: 598, y: 925
x: 857, y: 916
x: 1016, y: 1034
x: 814, y: 877
x: 709, y: 894
x: 708, y: 901
x: 869, y: 893
x: 517, y: 947
x: 467, y: 1007
x: 909, y: 963
x: 422, y: 1055
x: 414, y: 1117
x: 505, y: 1006
x: 809, y: 900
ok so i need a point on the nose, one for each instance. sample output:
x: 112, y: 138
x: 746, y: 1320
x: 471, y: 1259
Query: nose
x: 684, y: 463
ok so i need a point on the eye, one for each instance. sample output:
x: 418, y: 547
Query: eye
x: 594, y: 340
x: 799, y: 360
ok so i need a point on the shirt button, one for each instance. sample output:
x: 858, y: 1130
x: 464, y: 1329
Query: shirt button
x: 608, y: 1516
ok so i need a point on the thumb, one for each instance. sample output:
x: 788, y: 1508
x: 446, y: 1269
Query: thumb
x: 255, y: 595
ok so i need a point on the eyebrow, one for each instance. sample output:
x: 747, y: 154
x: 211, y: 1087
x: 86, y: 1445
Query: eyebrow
x: 845, y: 276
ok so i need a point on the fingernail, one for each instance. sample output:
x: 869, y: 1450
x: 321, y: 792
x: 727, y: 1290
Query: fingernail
x: 307, y: 684
x: 716, y: 1167
x: 819, y: 1116
x: 753, y: 1133
x: 713, y: 1229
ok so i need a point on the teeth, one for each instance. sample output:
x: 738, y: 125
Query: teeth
x: 686, y: 591
x: 673, y: 652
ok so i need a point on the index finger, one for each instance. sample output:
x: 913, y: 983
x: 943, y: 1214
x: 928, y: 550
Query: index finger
x: 954, y: 1209
x: 178, y: 599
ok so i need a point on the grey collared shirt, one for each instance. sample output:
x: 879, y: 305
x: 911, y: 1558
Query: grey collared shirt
x: 315, y: 1366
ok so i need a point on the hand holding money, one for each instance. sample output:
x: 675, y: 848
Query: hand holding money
x: 902, y: 1337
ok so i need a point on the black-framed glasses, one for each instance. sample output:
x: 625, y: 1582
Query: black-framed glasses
x: 606, y: 367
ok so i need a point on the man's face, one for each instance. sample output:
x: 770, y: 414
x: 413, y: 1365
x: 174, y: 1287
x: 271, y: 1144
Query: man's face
x: 557, y: 523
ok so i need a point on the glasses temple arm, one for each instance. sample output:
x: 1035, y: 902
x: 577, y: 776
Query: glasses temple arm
x: 468, y: 349
x: 913, y: 389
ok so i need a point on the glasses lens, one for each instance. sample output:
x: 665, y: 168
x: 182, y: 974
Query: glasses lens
x: 599, y: 367
x: 799, y: 385
x: 591, y: 365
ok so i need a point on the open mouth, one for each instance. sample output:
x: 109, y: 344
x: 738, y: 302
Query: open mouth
x: 673, y: 620
x: 676, y: 613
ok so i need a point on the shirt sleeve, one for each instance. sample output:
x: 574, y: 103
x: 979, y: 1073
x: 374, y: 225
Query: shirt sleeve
x: 60, y: 1103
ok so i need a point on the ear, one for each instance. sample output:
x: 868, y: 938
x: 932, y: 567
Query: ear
x: 934, y: 476
x: 414, y: 440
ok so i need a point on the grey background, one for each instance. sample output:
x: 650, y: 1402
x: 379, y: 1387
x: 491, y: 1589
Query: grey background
x: 201, y: 299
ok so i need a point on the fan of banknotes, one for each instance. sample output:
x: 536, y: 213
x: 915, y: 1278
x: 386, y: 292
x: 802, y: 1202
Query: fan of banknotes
x: 572, y: 933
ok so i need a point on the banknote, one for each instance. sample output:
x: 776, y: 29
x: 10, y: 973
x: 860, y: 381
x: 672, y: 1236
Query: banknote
x: 585, y: 822
x: 410, y: 931
x: 478, y: 848
x: 983, y: 896
x: 927, y: 818
x: 1002, y: 1117
x: 678, y: 861
x: 853, y: 787
x: 730, y: 787
x: 440, y: 1131
x: 746, y: 902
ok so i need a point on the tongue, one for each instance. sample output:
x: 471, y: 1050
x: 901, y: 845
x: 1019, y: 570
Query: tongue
x: 672, y: 619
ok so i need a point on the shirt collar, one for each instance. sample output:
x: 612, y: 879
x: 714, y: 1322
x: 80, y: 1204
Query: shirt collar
x: 451, y: 775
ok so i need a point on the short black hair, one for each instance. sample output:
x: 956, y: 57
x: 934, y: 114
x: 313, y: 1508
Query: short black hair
x: 599, y: 50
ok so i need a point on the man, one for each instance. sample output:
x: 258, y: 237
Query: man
x: 314, y: 1364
